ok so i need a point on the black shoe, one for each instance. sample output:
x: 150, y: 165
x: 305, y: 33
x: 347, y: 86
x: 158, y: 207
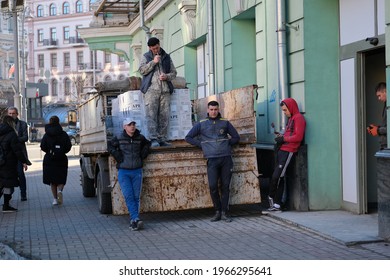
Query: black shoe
x: 225, y: 217
x: 216, y: 217
x: 165, y: 144
x: 9, y: 209
x: 23, y: 198
x: 140, y: 225
x: 133, y: 225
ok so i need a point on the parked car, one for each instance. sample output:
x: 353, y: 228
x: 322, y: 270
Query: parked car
x: 74, y: 135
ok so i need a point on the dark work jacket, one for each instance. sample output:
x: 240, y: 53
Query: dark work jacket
x: 215, y: 136
x: 166, y: 67
x: 129, y: 151
x: 14, y: 153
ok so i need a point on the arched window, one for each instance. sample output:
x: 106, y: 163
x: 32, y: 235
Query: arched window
x: 53, y: 10
x: 54, y: 87
x: 66, y: 8
x: 40, y: 11
x: 91, y: 2
x: 121, y: 77
x: 107, y: 78
x: 67, y: 85
x: 79, y: 6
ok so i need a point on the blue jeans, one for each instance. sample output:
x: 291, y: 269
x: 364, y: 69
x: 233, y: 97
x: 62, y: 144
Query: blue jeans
x: 130, y: 182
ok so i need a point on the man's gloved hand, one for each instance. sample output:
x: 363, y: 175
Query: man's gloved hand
x: 118, y: 156
x: 279, y: 139
x: 373, y: 130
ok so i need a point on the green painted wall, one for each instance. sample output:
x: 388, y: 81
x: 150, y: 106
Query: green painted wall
x: 321, y: 66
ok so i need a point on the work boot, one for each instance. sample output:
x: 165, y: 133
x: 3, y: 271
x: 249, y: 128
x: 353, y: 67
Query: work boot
x: 225, y: 217
x: 216, y: 217
x: 165, y: 144
x: 155, y: 144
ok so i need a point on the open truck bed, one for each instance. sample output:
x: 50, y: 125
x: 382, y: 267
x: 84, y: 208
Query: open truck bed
x: 175, y: 178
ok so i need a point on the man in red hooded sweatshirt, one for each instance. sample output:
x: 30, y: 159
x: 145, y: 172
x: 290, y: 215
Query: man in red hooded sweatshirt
x: 288, y: 144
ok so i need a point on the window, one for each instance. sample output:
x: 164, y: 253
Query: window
x: 107, y: 78
x: 91, y: 2
x: 53, y: 60
x: 65, y: 8
x: 66, y: 33
x: 107, y: 57
x: 79, y: 6
x: 40, y: 36
x: 121, y: 77
x: 53, y: 34
x: 66, y: 59
x: 77, y: 33
x: 121, y: 59
x: 53, y: 10
x: 40, y: 11
x: 67, y: 84
x: 54, y: 87
x: 202, y: 70
x: 80, y: 58
x: 41, y: 61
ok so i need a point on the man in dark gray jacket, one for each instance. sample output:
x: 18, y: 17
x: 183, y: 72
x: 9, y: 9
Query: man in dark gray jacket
x: 21, y: 130
x: 216, y: 136
x: 380, y: 130
x: 129, y: 150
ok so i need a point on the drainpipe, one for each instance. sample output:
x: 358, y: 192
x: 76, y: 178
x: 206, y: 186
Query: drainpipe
x: 282, y: 55
x: 142, y: 19
x: 210, y: 39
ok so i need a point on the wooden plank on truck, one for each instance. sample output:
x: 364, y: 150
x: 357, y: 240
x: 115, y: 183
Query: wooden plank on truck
x: 175, y: 178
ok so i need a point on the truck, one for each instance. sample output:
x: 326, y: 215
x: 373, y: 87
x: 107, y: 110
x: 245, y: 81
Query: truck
x: 175, y: 177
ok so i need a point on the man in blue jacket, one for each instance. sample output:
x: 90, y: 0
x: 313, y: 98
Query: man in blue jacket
x: 216, y: 136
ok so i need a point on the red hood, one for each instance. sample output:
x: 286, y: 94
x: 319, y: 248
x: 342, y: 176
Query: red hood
x: 291, y: 105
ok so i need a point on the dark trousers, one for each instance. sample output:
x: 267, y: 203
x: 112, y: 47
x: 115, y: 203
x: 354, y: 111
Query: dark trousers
x: 283, y: 160
x: 22, y: 180
x: 7, y: 192
x: 220, y: 170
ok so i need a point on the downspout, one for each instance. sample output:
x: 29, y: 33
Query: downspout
x: 210, y: 39
x: 142, y: 19
x: 282, y: 55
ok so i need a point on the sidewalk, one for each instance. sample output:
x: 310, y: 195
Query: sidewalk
x: 77, y: 230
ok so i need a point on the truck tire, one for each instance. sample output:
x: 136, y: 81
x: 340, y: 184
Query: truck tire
x: 104, y: 199
x: 87, y: 184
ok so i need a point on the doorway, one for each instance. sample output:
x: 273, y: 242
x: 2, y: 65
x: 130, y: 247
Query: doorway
x: 374, y: 71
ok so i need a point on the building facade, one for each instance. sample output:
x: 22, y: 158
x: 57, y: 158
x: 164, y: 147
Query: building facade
x: 327, y: 54
x: 59, y: 57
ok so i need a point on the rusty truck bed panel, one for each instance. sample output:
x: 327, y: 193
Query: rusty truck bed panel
x: 176, y: 178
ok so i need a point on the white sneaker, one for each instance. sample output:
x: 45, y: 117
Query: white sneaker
x: 60, y: 197
x: 55, y: 202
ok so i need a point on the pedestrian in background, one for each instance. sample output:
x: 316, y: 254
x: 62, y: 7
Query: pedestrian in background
x: 56, y: 144
x: 216, y: 136
x: 380, y: 130
x: 157, y: 72
x: 11, y: 153
x: 288, y: 144
x: 129, y: 150
x: 22, y: 132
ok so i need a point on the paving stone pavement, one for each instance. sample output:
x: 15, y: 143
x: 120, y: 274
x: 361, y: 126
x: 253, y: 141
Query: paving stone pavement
x: 77, y: 231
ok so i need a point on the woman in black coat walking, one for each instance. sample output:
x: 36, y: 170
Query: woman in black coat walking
x: 55, y: 143
x: 11, y: 152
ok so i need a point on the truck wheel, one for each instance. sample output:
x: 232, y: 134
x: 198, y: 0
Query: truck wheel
x: 104, y: 199
x: 87, y: 185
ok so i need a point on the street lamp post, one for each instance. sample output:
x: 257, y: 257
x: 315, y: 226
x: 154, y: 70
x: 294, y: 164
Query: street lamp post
x: 12, y: 8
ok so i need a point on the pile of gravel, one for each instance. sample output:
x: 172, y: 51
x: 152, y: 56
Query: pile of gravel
x: 6, y: 253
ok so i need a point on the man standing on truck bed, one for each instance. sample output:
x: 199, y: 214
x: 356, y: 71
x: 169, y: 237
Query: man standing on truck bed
x: 216, y: 136
x: 129, y: 150
x: 157, y: 72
